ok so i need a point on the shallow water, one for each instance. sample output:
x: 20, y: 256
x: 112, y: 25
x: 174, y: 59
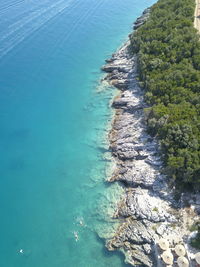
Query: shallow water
x: 53, y: 117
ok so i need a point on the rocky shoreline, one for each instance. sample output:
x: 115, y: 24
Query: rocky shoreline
x: 149, y: 210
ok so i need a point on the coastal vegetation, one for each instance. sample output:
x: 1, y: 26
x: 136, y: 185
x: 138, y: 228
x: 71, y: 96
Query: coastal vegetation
x: 195, y: 242
x: 168, y: 50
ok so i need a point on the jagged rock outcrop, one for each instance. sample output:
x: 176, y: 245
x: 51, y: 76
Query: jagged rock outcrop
x: 143, y: 205
x: 142, y: 19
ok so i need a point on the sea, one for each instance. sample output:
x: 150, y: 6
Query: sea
x: 55, y: 112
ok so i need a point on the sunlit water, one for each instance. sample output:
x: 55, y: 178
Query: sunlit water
x: 54, y: 113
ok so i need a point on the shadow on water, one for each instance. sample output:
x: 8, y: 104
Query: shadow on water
x: 108, y: 254
x: 103, y: 150
x: 110, y: 184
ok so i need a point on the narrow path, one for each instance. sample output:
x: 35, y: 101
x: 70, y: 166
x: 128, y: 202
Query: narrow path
x: 197, y: 16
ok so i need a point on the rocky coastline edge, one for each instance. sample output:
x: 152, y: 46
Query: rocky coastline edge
x: 149, y: 210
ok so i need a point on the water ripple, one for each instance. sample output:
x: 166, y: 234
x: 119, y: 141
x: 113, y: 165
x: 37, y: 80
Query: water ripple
x: 23, y: 28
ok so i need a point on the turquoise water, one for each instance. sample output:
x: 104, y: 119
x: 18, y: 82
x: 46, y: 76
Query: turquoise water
x: 53, y: 117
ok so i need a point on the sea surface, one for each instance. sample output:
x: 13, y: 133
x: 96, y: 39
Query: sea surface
x: 54, y: 116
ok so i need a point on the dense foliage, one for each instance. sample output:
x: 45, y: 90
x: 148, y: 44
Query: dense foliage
x: 168, y: 49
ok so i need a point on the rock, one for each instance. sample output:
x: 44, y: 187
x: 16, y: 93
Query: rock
x: 125, y: 151
x: 138, y: 174
x: 142, y: 19
x: 137, y: 233
x: 135, y: 239
x: 141, y: 258
x: 143, y: 205
x: 161, y: 229
x: 110, y: 60
x: 147, y: 248
x: 120, y: 84
x: 119, y: 103
x: 119, y: 67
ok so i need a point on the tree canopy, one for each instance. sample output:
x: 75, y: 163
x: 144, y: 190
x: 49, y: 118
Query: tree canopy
x: 168, y: 53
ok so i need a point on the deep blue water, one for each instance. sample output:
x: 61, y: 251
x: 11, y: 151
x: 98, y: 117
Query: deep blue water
x: 53, y: 118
